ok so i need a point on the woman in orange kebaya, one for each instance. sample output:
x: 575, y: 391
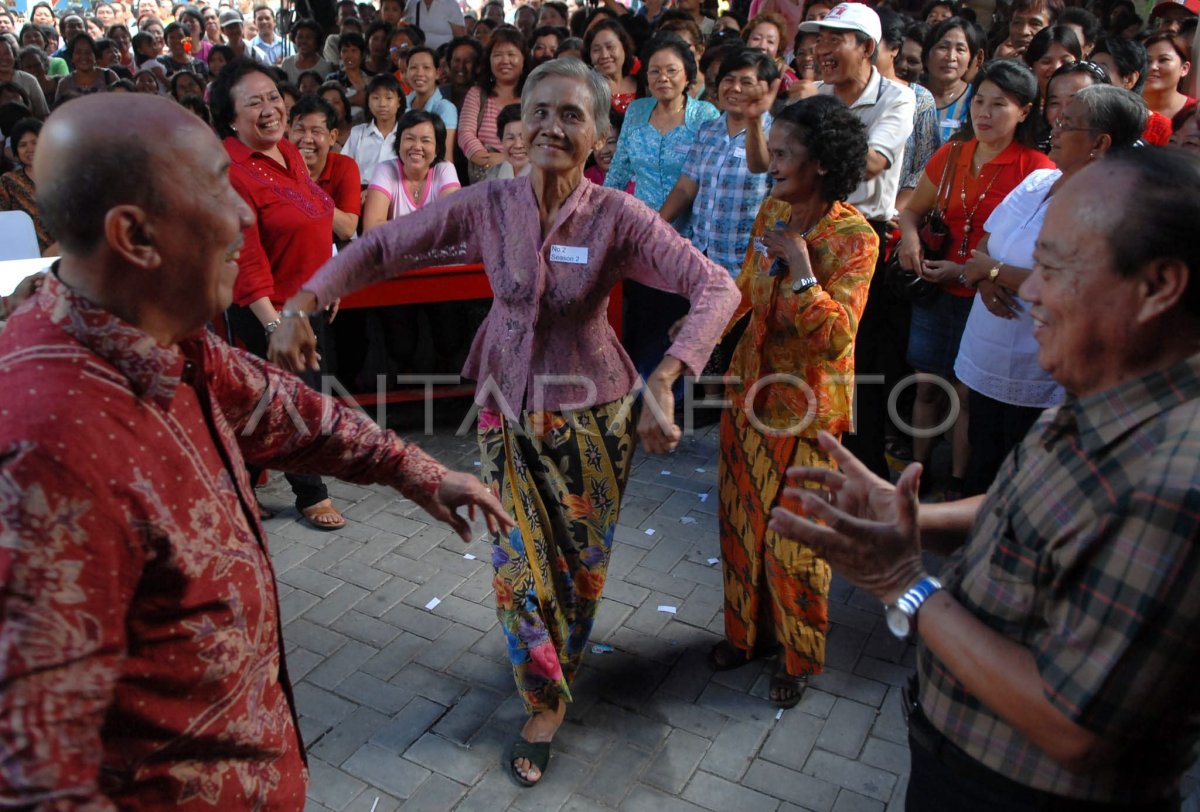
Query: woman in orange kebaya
x: 804, y: 284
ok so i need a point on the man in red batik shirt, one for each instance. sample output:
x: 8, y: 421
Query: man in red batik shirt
x: 141, y: 656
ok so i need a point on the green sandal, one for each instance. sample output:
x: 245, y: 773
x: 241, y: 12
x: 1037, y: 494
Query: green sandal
x: 537, y: 753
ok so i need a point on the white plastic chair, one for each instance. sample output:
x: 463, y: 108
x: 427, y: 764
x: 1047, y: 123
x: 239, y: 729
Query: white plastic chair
x: 18, y: 239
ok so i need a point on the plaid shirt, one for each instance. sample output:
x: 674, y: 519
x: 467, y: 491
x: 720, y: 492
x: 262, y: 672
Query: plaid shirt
x: 730, y: 194
x: 1085, y: 553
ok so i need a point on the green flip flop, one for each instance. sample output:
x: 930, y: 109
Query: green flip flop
x: 537, y: 753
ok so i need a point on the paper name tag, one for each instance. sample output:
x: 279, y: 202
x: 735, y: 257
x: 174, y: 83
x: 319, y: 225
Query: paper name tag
x: 569, y: 254
x: 950, y: 123
x: 739, y: 152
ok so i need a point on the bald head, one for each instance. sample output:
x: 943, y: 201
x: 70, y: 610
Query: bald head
x: 83, y: 171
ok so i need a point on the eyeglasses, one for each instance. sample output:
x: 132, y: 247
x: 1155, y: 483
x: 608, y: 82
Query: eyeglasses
x: 670, y: 73
x: 743, y: 83
x: 1062, y: 125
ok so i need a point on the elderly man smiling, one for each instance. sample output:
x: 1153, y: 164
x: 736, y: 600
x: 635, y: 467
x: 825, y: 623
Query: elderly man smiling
x: 141, y: 664
x: 1057, y: 654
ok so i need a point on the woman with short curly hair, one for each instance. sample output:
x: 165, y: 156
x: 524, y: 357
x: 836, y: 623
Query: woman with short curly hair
x: 804, y: 284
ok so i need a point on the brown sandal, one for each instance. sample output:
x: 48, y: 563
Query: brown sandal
x: 323, y: 516
x: 785, y: 690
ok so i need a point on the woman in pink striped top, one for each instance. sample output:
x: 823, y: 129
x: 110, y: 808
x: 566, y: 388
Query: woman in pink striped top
x: 504, y: 64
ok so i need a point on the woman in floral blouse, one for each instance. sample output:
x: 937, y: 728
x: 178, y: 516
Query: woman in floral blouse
x: 656, y: 135
x: 804, y: 284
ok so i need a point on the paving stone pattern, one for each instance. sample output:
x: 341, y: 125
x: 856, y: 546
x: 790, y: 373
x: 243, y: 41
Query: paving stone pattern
x: 405, y: 707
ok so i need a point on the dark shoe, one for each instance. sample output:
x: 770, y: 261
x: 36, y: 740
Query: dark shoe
x: 724, y: 656
x: 537, y: 753
x: 786, y: 690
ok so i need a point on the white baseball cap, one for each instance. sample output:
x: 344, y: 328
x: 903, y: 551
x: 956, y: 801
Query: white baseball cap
x: 848, y: 17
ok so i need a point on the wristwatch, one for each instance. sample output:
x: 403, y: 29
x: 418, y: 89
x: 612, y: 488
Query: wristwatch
x: 272, y: 326
x: 803, y: 283
x: 994, y: 272
x: 902, y: 614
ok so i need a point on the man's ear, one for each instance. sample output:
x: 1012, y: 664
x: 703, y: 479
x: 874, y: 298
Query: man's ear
x: 130, y: 234
x: 1164, y: 283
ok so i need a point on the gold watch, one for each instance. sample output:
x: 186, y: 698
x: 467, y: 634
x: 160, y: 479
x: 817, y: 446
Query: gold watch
x: 994, y: 272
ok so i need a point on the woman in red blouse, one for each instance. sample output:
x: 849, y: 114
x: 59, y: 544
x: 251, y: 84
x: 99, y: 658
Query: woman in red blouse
x: 291, y: 237
x: 994, y: 155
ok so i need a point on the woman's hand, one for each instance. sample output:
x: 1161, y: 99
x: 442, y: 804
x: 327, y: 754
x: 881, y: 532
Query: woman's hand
x: 656, y: 426
x: 940, y: 271
x: 293, y: 346
x: 911, y: 256
x: 998, y: 300
x: 482, y: 158
x: 759, y: 99
x: 977, y: 268
x: 789, y: 245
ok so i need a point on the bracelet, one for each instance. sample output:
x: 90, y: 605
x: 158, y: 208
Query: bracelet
x: 995, y: 271
x: 271, y: 326
x: 288, y: 313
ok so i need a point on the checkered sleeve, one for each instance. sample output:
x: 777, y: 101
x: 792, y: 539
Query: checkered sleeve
x: 1120, y: 643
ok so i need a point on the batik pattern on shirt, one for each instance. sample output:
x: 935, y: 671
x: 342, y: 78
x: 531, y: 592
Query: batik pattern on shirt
x: 140, y: 646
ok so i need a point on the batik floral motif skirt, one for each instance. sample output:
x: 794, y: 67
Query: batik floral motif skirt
x: 560, y: 475
x: 776, y: 590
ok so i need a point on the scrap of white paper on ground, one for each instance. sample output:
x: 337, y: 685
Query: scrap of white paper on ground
x: 670, y: 610
x: 433, y: 602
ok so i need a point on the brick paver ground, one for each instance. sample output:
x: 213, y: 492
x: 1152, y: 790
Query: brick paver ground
x: 406, y: 707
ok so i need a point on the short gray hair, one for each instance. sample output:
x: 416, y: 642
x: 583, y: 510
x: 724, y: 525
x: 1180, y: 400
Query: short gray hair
x: 568, y: 68
x: 1120, y: 113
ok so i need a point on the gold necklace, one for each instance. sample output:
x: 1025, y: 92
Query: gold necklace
x: 969, y: 224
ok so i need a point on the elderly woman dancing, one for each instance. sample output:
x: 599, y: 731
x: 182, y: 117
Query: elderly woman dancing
x: 554, y: 386
x: 804, y: 283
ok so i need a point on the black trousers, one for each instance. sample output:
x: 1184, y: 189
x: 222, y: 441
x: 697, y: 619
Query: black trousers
x: 994, y: 430
x: 945, y: 779
x: 245, y: 326
x: 879, y: 349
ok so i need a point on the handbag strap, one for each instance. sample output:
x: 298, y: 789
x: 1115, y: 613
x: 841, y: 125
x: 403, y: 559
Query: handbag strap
x: 945, y: 186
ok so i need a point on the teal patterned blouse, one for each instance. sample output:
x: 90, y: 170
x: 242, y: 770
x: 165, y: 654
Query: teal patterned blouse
x: 652, y: 160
